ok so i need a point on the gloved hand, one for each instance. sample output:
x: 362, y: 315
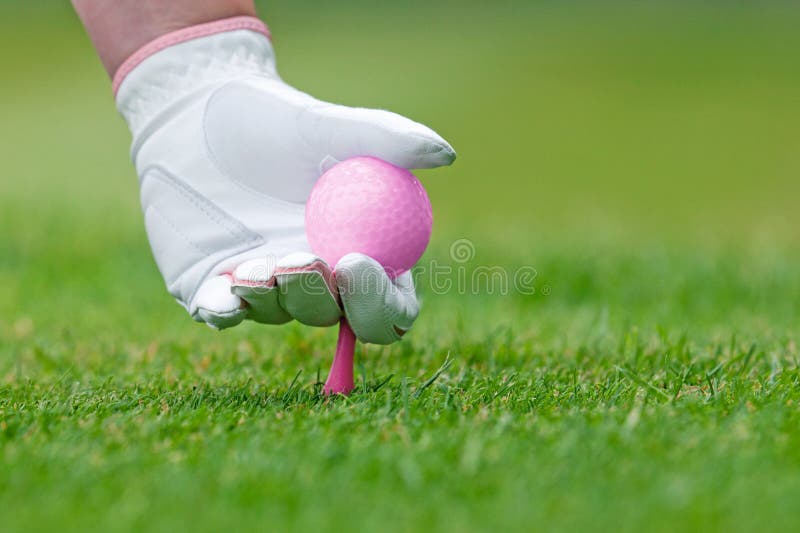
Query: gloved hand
x: 227, y: 153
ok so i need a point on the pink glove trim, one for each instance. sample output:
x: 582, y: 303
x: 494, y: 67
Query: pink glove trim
x: 183, y: 35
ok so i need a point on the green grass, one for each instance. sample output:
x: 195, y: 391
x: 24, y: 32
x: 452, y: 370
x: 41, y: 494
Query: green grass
x: 643, y: 158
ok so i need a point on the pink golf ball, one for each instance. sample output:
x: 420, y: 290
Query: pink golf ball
x: 367, y: 205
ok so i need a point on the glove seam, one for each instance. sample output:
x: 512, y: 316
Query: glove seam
x: 229, y: 224
x: 155, y: 210
x: 186, y: 34
x: 221, y: 168
x: 156, y: 121
x: 245, y: 239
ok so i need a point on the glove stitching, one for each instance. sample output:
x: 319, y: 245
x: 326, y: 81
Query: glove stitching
x: 243, y: 238
x: 233, y: 227
x: 157, y: 121
x: 155, y: 210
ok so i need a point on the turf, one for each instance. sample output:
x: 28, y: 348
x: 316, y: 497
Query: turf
x: 640, y: 159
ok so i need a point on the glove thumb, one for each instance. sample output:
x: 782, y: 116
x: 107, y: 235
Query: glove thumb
x: 342, y: 132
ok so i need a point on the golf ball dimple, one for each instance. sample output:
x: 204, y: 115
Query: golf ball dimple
x: 367, y: 205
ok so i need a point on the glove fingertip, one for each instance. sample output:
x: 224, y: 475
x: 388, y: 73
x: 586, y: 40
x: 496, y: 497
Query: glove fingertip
x: 431, y: 151
x: 216, y: 304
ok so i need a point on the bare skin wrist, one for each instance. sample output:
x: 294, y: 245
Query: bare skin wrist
x: 118, y: 28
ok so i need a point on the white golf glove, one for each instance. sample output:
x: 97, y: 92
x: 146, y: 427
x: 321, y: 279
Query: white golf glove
x: 227, y: 153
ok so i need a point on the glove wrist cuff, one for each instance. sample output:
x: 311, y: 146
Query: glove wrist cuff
x: 181, y: 62
x: 183, y: 35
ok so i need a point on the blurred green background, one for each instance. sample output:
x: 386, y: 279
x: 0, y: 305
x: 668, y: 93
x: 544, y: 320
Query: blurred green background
x: 653, y: 119
x: 583, y: 128
x: 643, y: 157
